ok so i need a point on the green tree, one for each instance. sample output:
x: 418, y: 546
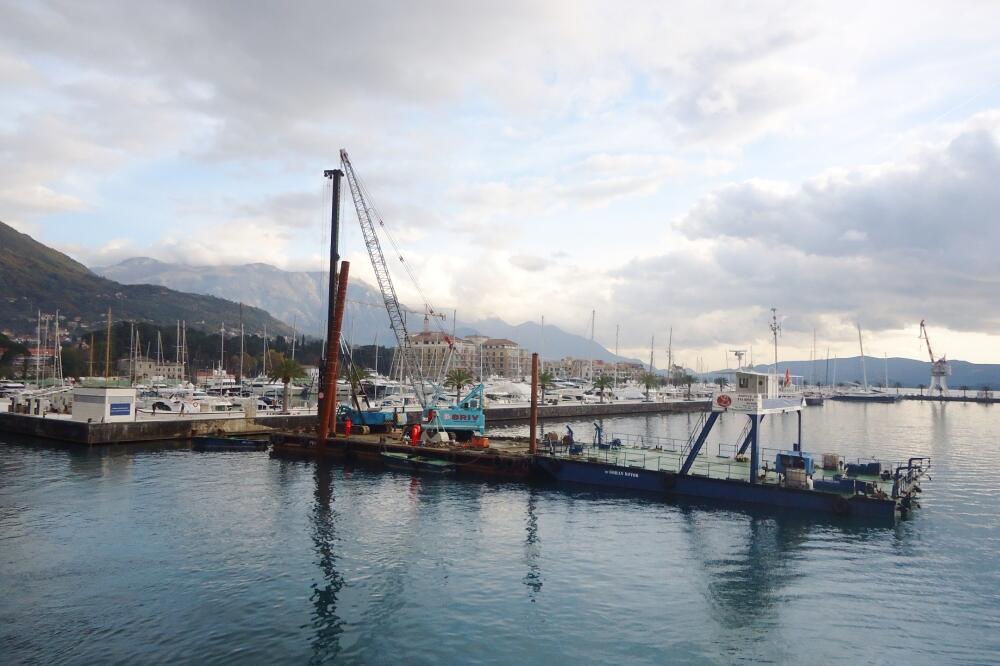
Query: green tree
x: 964, y: 390
x: 603, y: 383
x: 545, y: 380
x: 921, y: 387
x: 650, y: 380
x: 897, y: 386
x: 284, y: 370
x: 721, y: 381
x: 74, y: 362
x: 458, y: 378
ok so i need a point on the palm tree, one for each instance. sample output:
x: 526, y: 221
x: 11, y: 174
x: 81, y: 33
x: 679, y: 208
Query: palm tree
x: 545, y: 380
x: 897, y: 386
x: 963, y: 389
x: 602, y: 383
x: 458, y: 379
x: 688, y: 379
x: 649, y: 380
x: 284, y: 370
x: 721, y: 381
x: 921, y: 387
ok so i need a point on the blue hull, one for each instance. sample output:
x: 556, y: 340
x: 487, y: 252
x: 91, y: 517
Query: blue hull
x: 672, y: 484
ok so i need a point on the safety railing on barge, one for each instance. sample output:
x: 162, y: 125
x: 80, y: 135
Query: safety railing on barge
x: 657, y: 460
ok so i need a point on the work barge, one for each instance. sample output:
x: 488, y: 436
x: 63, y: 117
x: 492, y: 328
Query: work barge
x: 746, y: 474
x: 742, y: 473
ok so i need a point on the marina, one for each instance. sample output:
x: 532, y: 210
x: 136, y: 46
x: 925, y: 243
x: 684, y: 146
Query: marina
x: 504, y: 554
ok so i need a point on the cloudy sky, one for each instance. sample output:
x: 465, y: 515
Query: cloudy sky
x: 667, y: 164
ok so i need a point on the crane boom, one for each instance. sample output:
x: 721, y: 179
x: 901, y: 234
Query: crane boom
x: 923, y: 334
x: 367, y: 217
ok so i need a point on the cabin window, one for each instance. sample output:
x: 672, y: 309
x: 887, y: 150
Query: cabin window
x: 744, y: 382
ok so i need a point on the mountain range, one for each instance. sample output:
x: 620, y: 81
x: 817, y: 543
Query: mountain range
x: 907, y: 371
x: 300, y: 298
x: 36, y: 277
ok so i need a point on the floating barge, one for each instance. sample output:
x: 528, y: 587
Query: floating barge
x: 873, y: 490
x: 502, y: 460
x: 744, y: 473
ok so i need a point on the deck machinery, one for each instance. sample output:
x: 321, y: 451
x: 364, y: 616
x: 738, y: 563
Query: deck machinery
x: 787, y: 478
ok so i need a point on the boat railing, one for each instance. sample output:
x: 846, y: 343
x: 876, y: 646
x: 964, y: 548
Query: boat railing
x: 653, y: 460
x: 672, y: 444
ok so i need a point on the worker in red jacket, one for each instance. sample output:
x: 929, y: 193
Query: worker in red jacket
x: 347, y: 426
x: 415, y: 436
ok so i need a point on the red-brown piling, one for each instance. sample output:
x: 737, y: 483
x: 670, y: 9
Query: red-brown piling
x: 328, y: 411
x: 533, y: 427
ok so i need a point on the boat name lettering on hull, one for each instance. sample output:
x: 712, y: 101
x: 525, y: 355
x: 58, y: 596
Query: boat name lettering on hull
x: 618, y: 472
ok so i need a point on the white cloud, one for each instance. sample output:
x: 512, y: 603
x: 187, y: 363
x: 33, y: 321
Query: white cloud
x: 493, y: 135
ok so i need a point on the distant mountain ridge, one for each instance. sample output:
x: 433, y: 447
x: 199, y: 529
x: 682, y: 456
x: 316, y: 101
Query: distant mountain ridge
x: 909, y: 372
x: 300, y: 297
x: 36, y: 277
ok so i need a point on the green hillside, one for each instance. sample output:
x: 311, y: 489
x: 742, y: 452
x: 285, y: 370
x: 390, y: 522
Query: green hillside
x: 35, y: 277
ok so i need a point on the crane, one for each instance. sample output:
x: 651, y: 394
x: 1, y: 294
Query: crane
x: 367, y: 217
x: 468, y: 414
x: 940, y: 368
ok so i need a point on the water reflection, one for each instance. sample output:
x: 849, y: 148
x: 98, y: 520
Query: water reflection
x: 532, y: 548
x: 747, y: 569
x: 327, y: 624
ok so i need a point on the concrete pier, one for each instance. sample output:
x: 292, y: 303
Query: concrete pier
x: 63, y: 429
x: 81, y: 432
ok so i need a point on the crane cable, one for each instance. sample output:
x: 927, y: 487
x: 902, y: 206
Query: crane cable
x: 396, y: 248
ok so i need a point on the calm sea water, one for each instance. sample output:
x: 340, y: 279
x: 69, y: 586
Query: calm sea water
x: 156, y: 553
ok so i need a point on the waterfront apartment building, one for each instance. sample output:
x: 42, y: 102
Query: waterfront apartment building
x: 147, y: 370
x: 589, y: 369
x: 493, y: 356
x: 432, y: 348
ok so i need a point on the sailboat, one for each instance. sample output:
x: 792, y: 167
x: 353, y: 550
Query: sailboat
x: 867, y: 393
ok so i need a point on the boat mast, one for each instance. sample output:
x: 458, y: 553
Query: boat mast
x: 240, y: 381
x: 670, y: 354
x: 864, y: 370
x: 57, y: 352
x: 593, y: 321
x: 107, y: 350
x: 184, y: 349
x: 617, y: 334
x: 775, y: 330
x: 38, y: 349
x: 541, y: 347
x: 652, y: 343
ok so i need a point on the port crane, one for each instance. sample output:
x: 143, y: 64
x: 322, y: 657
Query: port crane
x: 940, y: 368
x: 467, y: 416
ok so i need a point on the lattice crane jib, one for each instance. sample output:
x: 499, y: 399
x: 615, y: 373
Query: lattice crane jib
x: 367, y: 217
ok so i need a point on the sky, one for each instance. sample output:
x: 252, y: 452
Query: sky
x: 671, y: 166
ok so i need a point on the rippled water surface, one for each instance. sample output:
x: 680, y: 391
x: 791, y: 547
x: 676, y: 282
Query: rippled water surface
x: 156, y: 553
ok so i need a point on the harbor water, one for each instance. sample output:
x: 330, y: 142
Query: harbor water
x: 155, y: 553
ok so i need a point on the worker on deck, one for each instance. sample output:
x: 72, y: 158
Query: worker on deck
x: 415, y: 436
x: 347, y: 426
